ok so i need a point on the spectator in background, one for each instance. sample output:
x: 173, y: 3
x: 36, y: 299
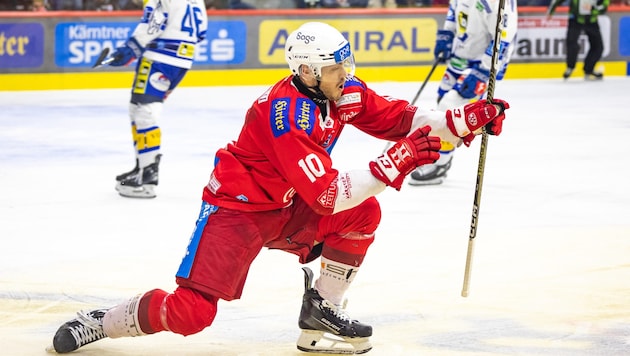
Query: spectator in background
x: 39, y: 5
x: 583, y: 16
x: 61, y: 5
x: 533, y: 2
x: 331, y: 4
x: 240, y: 5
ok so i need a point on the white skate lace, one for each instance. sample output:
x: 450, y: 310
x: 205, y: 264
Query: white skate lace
x: 336, y: 310
x: 91, y: 329
x: 86, y: 319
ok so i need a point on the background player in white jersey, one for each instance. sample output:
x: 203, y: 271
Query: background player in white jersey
x: 466, y: 43
x: 275, y: 187
x: 164, y: 43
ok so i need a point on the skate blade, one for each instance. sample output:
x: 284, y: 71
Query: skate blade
x: 325, y: 343
x: 146, y: 191
x: 51, y: 349
x: 435, y: 181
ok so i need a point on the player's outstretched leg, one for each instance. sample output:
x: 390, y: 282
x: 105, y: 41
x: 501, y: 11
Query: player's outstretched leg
x: 139, y: 183
x: 85, y: 329
x: 326, y: 328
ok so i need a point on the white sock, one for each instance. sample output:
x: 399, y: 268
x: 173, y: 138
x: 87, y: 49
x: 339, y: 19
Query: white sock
x: 122, y: 320
x: 334, y: 280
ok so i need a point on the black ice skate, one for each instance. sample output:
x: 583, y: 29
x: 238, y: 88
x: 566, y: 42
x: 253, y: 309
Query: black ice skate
x: 430, y: 174
x: 567, y: 73
x: 594, y: 76
x: 132, y: 172
x: 326, y: 328
x: 85, y: 329
x: 139, y: 182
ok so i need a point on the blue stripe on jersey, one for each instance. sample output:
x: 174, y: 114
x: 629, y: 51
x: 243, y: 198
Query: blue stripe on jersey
x: 305, y: 114
x: 186, y: 266
x: 330, y: 147
x: 351, y: 81
x: 486, y: 6
x: 146, y: 14
x: 279, y: 116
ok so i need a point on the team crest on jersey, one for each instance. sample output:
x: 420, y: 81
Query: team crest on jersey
x: 327, y: 123
x: 279, y: 116
x: 304, y: 114
x: 159, y: 81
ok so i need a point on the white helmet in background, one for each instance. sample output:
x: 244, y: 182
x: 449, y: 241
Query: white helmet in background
x: 317, y: 45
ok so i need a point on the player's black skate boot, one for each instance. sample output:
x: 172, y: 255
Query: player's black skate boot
x: 85, y: 329
x: 142, y: 183
x: 430, y: 174
x: 593, y: 76
x: 567, y: 73
x: 132, y: 172
x: 326, y: 328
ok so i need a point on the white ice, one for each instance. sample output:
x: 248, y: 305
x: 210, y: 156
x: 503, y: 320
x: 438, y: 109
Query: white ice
x: 551, y: 268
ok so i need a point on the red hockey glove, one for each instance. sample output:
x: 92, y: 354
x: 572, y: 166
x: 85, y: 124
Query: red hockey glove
x: 404, y: 156
x: 467, y: 120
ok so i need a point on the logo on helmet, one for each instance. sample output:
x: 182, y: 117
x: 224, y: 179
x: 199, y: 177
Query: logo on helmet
x: 306, y: 38
x: 343, y: 53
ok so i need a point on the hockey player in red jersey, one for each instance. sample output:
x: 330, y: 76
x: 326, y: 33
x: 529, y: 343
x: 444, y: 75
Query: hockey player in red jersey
x: 275, y: 187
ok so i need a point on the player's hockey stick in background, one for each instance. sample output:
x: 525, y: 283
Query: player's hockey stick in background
x: 415, y: 98
x: 101, y: 60
x: 482, y: 153
x: 426, y: 80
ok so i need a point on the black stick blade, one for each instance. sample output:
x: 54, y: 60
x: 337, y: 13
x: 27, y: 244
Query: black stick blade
x: 101, y: 57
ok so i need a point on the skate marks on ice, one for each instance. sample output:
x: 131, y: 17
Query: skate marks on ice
x: 264, y: 335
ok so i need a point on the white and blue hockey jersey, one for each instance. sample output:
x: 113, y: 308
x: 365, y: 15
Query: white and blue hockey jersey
x: 473, y: 22
x: 170, y: 30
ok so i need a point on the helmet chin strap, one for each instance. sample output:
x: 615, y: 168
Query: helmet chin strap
x: 317, y: 96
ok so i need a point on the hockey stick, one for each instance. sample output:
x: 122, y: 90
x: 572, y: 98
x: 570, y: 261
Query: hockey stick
x: 482, y: 153
x: 101, y: 61
x: 426, y: 80
x: 415, y: 98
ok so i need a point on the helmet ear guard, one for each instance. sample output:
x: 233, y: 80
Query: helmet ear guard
x: 317, y: 45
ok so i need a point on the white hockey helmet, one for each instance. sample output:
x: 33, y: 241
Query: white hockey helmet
x: 317, y: 45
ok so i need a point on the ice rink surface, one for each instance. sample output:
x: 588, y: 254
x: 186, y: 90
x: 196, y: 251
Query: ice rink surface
x: 551, y: 269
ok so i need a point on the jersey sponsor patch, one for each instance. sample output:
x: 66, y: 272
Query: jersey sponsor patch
x: 279, y: 116
x: 213, y: 184
x: 346, y: 184
x: 329, y: 196
x: 348, y: 99
x: 347, y: 115
x: 305, y: 114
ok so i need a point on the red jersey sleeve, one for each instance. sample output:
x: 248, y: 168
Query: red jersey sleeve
x: 380, y: 116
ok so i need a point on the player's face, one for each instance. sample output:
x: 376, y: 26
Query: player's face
x: 332, y: 80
